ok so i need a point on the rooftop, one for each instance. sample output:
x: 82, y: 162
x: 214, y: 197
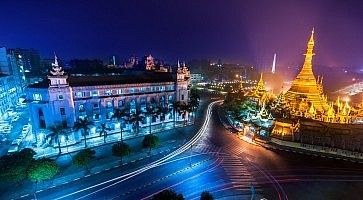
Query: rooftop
x: 109, y: 79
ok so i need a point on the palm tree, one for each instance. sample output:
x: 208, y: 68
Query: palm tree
x: 120, y: 115
x: 176, y: 107
x: 164, y: 110
x: 152, y: 111
x: 56, y: 132
x: 104, y: 131
x: 83, y: 124
x: 183, y: 110
x: 193, y: 107
x: 135, y: 118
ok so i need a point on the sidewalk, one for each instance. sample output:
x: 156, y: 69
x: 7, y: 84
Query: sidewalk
x: 229, y: 126
x: 96, y: 140
x: 169, y: 140
x: 310, y: 151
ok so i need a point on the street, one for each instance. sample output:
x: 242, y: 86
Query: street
x: 219, y: 162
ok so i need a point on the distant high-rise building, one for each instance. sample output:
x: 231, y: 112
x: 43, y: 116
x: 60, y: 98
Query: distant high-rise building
x: 4, y: 63
x: 30, y: 59
x: 12, y: 81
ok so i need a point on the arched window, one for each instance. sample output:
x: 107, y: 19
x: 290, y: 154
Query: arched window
x: 41, y: 119
x: 133, y: 106
x: 162, y: 101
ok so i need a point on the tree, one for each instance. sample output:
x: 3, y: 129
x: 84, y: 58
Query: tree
x: 193, y: 106
x: 150, y: 141
x: 83, y: 124
x: 206, y: 196
x: 164, y: 110
x: 151, y: 111
x: 121, y: 149
x: 175, y: 106
x: 183, y: 110
x: 167, y: 195
x: 55, y: 135
x: 14, y: 167
x: 120, y: 115
x: 194, y: 94
x: 136, y: 118
x: 84, y: 158
x: 42, y: 169
x: 104, y: 131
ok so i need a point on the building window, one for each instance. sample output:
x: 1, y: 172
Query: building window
x: 120, y: 103
x: 37, y: 97
x: 62, y: 111
x: 79, y: 94
x: 132, y: 90
x: 81, y: 108
x: 142, y: 89
x: 60, y: 97
x: 143, y: 104
x: 96, y: 116
x: 64, y: 123
x: 182, y: 97
x: 108, y: 92
x: 109, y: 104
x: 109, y: 115
x: 95, y: 105
x: 133, y: 106
x: 120, y: 91
x: 95, y: 93
x: 162, y: 88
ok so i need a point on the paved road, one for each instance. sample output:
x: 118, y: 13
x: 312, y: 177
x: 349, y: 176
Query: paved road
x: 228, y: 167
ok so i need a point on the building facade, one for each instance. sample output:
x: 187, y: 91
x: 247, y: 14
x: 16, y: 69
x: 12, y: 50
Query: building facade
x: 12, y: 81
x: 62, y: 99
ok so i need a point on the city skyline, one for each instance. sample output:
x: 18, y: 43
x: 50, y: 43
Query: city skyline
x: 177, y: 30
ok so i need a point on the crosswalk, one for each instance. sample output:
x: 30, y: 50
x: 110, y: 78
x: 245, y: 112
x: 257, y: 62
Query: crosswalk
x: 235, y: 170
x: 238, y: 174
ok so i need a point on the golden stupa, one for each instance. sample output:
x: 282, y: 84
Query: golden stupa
x: 305, y: 87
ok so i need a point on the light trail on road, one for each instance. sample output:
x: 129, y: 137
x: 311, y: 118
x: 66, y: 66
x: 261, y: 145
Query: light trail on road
x: 154, y: 164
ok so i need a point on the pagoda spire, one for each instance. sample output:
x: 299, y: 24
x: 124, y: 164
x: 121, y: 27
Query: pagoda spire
x: 55, y: 64
x: 307, y: 67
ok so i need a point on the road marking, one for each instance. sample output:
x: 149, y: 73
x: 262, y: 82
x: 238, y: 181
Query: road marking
x: 154, y: 164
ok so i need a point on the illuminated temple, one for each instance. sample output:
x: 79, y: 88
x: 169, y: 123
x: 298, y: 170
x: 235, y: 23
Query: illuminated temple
x: 305, y: 88
x: 306, y: 99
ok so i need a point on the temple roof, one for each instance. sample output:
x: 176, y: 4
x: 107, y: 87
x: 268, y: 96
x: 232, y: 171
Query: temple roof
x: 127, y: 78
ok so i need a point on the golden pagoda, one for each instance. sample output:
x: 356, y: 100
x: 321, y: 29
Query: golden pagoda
x: 259, y: 93
x: 305, y: 86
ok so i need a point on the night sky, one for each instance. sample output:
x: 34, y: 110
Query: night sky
x: 244, y: 31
